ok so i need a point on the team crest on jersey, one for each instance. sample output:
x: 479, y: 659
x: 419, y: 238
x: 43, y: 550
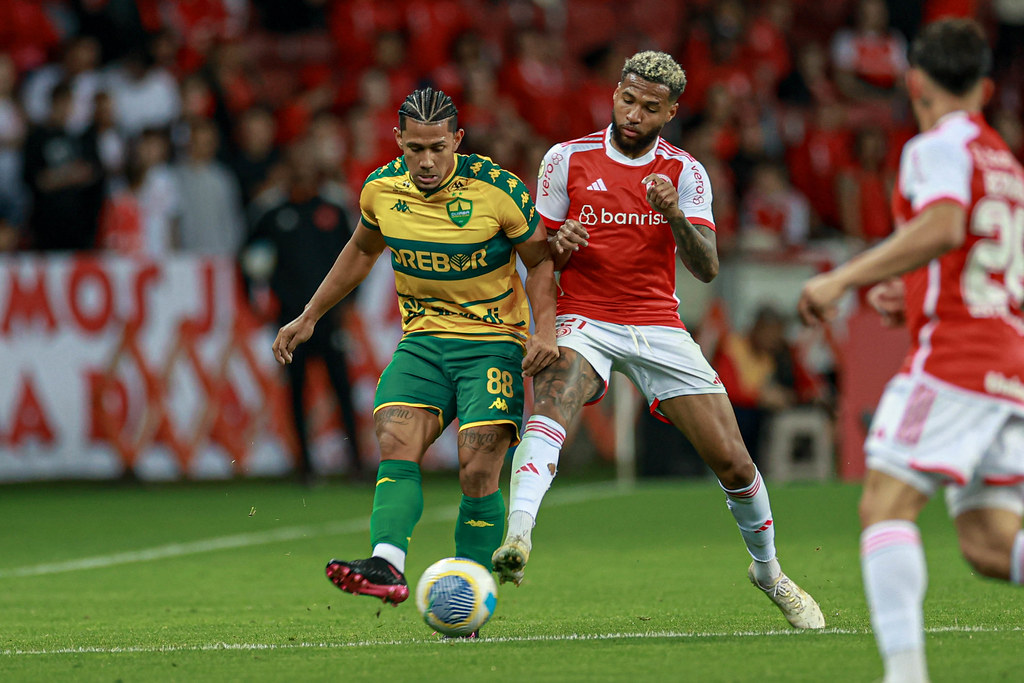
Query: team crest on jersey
x: 459, y: 211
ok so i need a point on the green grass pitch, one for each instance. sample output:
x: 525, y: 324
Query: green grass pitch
x: 224, y: 582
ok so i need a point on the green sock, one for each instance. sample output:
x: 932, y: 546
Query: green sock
x: 480, y: 527
x: 397, y: 503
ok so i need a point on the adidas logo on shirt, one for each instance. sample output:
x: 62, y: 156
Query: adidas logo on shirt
x: 598, y: 185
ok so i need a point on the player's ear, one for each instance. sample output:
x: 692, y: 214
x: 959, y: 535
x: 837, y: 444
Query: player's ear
x: 398, y: 137
x: 672, y: 112
x: 459, y: 134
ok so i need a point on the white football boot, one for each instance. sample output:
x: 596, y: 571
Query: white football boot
x: 510, y: 559
x: 799, y: 608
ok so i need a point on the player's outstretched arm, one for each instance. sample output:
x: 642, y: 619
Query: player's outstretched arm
x: 938, y: 229
x: 541, y: 349
x: 696, y: 244
x: 350, y: 268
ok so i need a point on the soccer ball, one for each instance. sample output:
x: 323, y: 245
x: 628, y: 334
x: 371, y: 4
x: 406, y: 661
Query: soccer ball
x: 456, y: 596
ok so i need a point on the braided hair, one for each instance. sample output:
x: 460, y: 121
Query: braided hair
x: 427, y: 105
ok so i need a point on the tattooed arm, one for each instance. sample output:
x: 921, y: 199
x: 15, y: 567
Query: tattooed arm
x: 697, y: 246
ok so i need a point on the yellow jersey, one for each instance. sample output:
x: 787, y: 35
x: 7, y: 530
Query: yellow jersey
x: 452, y: 247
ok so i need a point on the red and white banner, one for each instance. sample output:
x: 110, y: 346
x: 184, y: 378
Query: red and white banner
x: 110, y: 363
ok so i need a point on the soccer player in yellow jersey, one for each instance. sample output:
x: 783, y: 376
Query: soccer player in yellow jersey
x: 454, y: 225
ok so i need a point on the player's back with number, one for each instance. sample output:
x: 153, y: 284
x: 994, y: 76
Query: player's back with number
x: 964, y: 309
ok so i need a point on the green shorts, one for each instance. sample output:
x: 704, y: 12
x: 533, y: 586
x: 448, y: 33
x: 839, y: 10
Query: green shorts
x: 479, y: 382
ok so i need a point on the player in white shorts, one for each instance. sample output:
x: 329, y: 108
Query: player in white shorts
x: 619, y: 205
x: 954, y: 415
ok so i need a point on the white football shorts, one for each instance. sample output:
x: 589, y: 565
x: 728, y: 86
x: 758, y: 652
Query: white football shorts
x: 928, y: 434
x: 662, y: 362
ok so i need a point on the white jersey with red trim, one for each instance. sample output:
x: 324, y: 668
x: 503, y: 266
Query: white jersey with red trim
x: 627, y: 274
x: 964, y: 308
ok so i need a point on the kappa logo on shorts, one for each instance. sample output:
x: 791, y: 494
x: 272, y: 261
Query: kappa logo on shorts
x: 385, y: 480
x: 499, y: 404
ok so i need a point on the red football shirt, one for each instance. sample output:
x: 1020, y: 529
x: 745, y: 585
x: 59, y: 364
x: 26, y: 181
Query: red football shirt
x: 964, y: 308
x: 627, y: 274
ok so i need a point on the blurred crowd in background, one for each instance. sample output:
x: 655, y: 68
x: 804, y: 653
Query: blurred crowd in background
x: 155, y: 125
x: 146, y: 127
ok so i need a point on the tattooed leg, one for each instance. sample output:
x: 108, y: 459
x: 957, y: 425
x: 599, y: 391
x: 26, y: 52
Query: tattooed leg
x: 404, y: 432
x: 561, y: 389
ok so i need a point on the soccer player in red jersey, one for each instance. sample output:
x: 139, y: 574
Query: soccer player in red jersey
x: 954, y: 414
x: 619, y: 205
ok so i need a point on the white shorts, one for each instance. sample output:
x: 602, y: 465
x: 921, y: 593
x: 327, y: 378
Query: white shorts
x: 662, y: 362
x: 928, y: 434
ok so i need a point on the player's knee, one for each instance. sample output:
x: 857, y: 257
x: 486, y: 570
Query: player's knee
x: 987, y: 560
x: 736, y: 470
x: 479, y: 478
x: 551, y: 408
x: 392, y: 444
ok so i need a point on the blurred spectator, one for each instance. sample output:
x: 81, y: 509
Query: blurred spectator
x: 27, y: 34
x: 145, y: 94
x: 115, y: 24
x: 12, y: 136
x: 62, y: 170
x: 762, y: 374
x: 750, y: 154
x: 775, y: 215
x: 110, y: 142
x: 256, y: 153
x: 537, y: 81
x: 78, y: 69
x: 303, y: 235
x: 870, y: 58
x: 211, y: 216
x: 140, y: 217
x: 389, y: 56
x: 326, y: 141
x: 603, y: 67
x: 815, y: 160
x: 864, y: 187
x: 808, y: 84
x: 766, y: 45
x: 121, y: 226
x: 367, y: 151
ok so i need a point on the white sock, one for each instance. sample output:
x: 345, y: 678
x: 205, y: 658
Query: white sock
x: 520, y: 523
x: 533, y: 469
x: 753, y: 513
x: 391, y: 553
x: 1017, y: 560
x: 767, y: 573
x: 895, y: 578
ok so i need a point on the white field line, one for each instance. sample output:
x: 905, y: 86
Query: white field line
x: 567, y: 496
x: 569, y: 637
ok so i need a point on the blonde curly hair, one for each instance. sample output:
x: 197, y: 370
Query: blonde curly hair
x: 657, y: 67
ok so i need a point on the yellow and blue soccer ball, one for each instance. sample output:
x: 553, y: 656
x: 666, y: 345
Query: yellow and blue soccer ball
x: 456, y: 596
